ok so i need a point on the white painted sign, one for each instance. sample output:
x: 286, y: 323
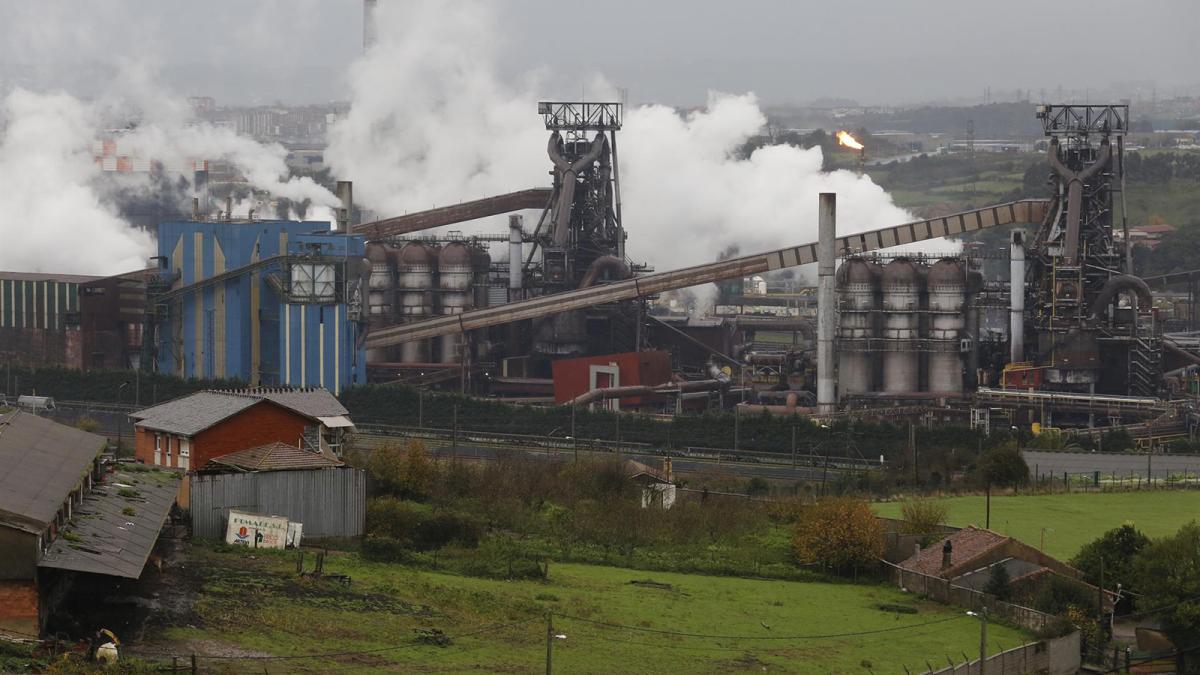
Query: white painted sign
x: 256, y: 531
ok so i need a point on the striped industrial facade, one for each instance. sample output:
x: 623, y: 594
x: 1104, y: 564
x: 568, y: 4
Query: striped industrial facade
x: 264, y: 321
x: 31, y: 301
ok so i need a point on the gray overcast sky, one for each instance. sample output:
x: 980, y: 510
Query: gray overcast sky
x: 672, y: 51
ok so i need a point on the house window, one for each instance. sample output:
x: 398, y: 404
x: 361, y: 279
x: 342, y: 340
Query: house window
x: 185, y: 453
x: 158, y: 448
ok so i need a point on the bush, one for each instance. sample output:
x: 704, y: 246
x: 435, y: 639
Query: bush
x: 1003, y: 467
x: 420, y: 527
x: 1166, y: 575
x: 88, y: 424
x: 1057, y: 595
x: 998, y: 583
x: 1116, y: 551
x: 923, y: 516
x: 840, y: 533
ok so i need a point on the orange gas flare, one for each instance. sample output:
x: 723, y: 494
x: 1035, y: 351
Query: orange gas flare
x: 845, y: 139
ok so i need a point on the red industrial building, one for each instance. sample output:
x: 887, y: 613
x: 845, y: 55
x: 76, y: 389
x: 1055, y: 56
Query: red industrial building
x: 573, y: 377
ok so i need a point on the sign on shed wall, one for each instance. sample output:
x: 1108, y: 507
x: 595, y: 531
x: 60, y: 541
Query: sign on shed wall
x: 256, y: 531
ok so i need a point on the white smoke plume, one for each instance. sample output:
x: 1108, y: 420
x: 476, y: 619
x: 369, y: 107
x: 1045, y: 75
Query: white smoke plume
x: 431, y: 123
x: 52, y: 219
x: 55, y: 213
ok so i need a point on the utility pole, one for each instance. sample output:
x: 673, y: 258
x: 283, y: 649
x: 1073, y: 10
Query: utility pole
x: 983, y: 641
x: 574, y: 438
x: 420, y: 408
x: 549, y: 643
x: 987, y: 518
x: 793, y: 449
x: 737, y: 427
x: 454, y: 432
x: 912, y: 444
x: 1100, y: 601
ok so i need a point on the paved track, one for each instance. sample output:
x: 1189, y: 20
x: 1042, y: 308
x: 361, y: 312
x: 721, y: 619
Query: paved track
x: 1110, y: 464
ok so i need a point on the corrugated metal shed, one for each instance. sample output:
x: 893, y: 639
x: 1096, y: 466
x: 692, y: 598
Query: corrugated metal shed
x: 41, y: 462
x: 113, y: 533
x: 329, y: 502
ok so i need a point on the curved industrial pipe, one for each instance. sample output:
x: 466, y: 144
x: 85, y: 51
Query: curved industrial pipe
x: 567, y: 171
x: 647, y: 390
x: 1116, y: 285
x: 1075, y: 183
x: 610, y: 263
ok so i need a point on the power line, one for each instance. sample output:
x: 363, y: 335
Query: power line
x: 657, y: 631
x: 327, y: 655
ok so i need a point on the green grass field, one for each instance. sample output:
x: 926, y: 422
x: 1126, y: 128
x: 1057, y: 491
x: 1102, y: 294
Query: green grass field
x: 1075, y: 519
x: 258, y: 606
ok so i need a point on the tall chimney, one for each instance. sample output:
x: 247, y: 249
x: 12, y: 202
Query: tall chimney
x: 826, y: 235
x: 1016, y: 299
x: 515, y: 256
x: 345, y: 194
x: 369, y: 7
x: 947, y: 551
x: 229, y: 208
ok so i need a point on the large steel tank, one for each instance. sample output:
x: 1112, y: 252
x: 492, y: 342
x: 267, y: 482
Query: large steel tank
x: 901, y: 287
x: 455, y: 277
x: 381, y: 286
x: 857, y: 285
x: 946, y: 288
x: 415, y: 263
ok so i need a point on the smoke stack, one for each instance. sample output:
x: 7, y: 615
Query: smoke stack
x: 195, y: 208
x: 1016, y: 299
x: 229, y: 208
x: 826, y: 234
x: 947, y: 550
x: 369, y: 7
x: 345, y: 212
x: 515, y: 256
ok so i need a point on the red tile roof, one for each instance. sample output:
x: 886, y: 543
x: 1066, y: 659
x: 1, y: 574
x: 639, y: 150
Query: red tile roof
x: 967, y: 544
x: 271, y: 457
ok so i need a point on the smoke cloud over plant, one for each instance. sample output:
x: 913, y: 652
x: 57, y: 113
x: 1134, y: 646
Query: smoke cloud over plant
x: 57, y: 211
x: 432, y: 123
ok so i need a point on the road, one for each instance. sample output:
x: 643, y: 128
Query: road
x: 1109, y: 463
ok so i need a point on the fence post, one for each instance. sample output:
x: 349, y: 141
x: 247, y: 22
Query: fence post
x: 194, y: 669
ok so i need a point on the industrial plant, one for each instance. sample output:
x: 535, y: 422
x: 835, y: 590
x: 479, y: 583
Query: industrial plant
x: 552, y: 310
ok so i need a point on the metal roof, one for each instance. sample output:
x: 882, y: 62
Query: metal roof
x: 191, y: 414
x: 271, y: 457
x: 39, y: 276
x: 41, y: 461
x: 310, y: 402
x: 114, y: 530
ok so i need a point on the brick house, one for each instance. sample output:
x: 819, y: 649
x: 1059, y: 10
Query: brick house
x: 191, y: 431
x: 67, y: 518
x: 968, y: 557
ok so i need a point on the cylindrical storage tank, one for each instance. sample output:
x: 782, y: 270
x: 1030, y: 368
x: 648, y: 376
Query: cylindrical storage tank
x: 455, y: 277
x: 381, y: 287
x: 946, y: 286
x: 857, y: 283
x: 481, y: 263
x: 414, y: 292
x: 381, y: 283
x: 901, y: 288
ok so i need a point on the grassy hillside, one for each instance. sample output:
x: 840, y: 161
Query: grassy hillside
x: 252, y: 604
x: 1075, y: 519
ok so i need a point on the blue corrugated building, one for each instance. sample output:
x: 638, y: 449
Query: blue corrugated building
x: 237, y: 309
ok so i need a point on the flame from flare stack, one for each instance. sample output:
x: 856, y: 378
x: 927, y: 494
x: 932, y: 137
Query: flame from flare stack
x: 845, y: 139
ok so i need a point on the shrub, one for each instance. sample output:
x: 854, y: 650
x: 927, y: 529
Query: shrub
x: 998, y: 583
x: 1165, y: 575
x: 839, y: 533
x: 1115, y: 550
x: 923, y: 516
x: 1003, y: 467
x: 88, y: 424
